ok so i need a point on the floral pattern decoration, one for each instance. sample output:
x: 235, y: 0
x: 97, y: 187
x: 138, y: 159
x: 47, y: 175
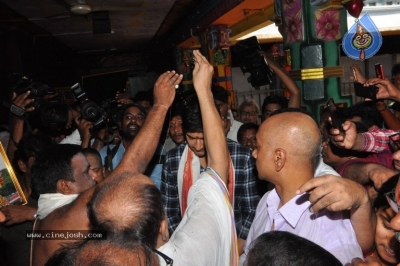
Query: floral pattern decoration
x: 293, y: 30
x: 327, y: 25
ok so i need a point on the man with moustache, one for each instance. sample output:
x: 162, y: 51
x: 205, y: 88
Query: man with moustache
x: 175, y: 131
x: 76, y: 180
x: 184, y: 164
x: 133, y: 116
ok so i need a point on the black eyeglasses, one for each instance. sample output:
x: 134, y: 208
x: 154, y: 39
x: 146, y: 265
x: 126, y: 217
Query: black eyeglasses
x: 249, y: 113
x: 394, y: 142
x: 392, y: 202
x: 168, y: 260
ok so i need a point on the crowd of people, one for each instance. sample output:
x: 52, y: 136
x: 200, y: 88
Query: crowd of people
x: 182, y: 182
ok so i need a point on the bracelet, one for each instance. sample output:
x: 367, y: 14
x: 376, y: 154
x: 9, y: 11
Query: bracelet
x: 383, y: 109
x: 16, y: 110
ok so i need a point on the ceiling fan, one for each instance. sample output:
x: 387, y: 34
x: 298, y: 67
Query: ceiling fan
x: 88, y: 7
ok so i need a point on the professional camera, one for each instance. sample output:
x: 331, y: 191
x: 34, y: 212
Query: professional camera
x: 250, y: 60
x: 105, y: 114
x: 22, y: 84
x: 50, y: 115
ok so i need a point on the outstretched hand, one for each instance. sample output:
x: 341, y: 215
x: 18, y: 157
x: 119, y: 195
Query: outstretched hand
x: 202, y: 72
x: 84, y: 128
x: 14, y: 214
x: 164, y: 88
x: 346, y: 139
x: 357, y: 75
x: 334, y: 193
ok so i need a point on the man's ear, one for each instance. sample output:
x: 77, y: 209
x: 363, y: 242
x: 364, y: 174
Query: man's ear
x: 64, y: 187
x: 103, y: 171
x: 163, y: 234
x: 280, y: 159
x: 22, y: 166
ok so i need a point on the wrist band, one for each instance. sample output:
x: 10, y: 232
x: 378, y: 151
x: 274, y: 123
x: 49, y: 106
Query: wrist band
x: 16, y: 110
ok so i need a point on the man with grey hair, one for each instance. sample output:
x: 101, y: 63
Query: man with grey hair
x: 249, y: 111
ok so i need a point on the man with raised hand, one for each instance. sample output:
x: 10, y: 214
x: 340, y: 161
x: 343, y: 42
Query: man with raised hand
x: 206, y: 235
x: 73, y: 216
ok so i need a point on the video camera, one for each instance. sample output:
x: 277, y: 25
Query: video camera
x: 22, y: 84
x: 50, y: 114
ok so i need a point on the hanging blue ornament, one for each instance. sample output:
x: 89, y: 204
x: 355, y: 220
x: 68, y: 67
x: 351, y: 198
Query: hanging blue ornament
x: 363, y: 40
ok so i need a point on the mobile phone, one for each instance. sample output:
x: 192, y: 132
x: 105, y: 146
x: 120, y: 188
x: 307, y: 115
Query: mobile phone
x: 379, y: 71
x: 365, y: 92
x: 336, y: 123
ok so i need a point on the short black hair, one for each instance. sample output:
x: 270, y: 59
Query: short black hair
x: 277, y: 99
x: 279, y: 248
x: 129, y: 105
x: 244, y: 127
x: 176, y: 110
x: 386, y: 187
x: 191, y: 116
x: 51, y: 165
x: 366, y: 110
x: 30, y: 145
x: 220, y: 94
x: 94, y: 152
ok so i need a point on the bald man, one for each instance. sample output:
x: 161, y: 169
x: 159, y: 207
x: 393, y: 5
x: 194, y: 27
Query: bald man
x: 288, y: 146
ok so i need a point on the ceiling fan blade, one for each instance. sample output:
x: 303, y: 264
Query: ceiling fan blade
x: 56, y: 16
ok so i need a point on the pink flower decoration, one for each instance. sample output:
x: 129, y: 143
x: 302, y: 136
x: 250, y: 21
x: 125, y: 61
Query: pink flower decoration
x: 327, y: 25
x: 294, y: 27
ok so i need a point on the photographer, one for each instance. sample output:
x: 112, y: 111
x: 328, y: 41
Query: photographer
x: 17, y: 128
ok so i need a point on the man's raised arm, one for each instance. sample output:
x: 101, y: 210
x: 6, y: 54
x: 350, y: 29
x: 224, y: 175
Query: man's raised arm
x: 142, y: 149
x: 214, y: 137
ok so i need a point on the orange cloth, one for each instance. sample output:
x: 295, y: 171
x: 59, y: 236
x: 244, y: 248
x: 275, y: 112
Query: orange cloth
x: 188, y: 181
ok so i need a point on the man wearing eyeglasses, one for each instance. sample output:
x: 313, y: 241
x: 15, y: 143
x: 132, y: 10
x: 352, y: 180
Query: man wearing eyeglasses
x: 249, y: 111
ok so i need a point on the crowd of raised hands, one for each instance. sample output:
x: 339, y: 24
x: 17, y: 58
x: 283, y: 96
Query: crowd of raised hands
x: 359, y: 189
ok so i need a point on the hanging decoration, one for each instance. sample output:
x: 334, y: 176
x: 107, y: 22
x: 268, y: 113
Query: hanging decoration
x: 363, y: 40
x: 354, y: 7
x: 218, y: 37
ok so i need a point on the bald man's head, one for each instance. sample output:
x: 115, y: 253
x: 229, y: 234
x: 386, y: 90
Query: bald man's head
x: 128, y: 205
x: 293, y: 132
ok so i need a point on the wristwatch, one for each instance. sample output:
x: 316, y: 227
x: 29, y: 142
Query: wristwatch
x: 18, y: 111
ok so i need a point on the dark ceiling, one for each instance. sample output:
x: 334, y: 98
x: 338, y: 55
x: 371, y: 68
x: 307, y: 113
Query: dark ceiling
x: 133, y: 24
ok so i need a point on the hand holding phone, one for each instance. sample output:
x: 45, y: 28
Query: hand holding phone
x: 365, y: 92
x: 336, y: 123
x: 379, y: 71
